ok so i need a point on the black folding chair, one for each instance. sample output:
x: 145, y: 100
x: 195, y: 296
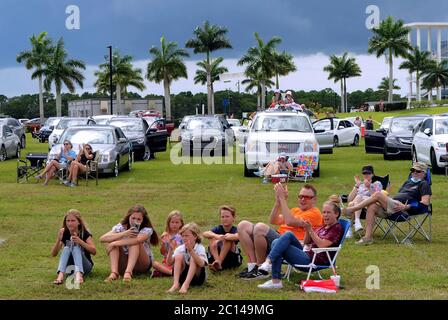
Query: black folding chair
x: 30, y: 166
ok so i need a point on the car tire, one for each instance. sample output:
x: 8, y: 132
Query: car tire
x: 316, y: 173
x: 356, y: 141
x: 434, y: 166
x: 128, y: 166
x: 247, y: 172
x: 116, y: 168
x: 3, y: 154
x: 18, y: 152
x: 23, y: 142
x: 335, y: 141
x: 385, y: 155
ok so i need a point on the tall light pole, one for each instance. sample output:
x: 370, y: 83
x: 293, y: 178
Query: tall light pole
x: 110, y: 81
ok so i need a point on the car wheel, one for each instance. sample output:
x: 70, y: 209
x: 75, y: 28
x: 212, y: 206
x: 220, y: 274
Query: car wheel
x: 414, y: 156
x: 435, y: 167
x: 18, y: 152
x: 385, y: 155
x: 247, y: 172
x: 23, y: 142
x: 3, y: 154
x: 129, y: 164
x: 356, y: 141
x: 116, y: 168
x: 336, y: 141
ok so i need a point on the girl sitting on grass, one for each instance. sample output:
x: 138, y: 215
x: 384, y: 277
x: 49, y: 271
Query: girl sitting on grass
x: 170, y: 239
x: 78, y: 246
x: 189, y: 259
x: 129, y: 244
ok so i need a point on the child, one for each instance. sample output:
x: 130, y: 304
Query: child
x: 223, y: 250
x: 78, y: 246
x: 189, y: 260
x: 170, y: 239
x: 129, y: 244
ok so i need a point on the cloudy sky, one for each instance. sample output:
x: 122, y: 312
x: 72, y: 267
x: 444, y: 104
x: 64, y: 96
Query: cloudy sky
x: 311, y: 31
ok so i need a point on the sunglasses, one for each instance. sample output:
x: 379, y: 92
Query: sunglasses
x: 302, y: 197
x: 66, y: 144
x: 417, y: 171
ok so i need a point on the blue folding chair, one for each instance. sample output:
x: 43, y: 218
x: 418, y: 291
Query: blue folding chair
x: 312, y: 267
x: 414, y: 223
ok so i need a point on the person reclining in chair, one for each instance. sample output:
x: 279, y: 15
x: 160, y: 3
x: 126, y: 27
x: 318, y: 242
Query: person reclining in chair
x: 80, y: 164
x: 280, y: 166
x: 60, y: 161
x: 413, y: 197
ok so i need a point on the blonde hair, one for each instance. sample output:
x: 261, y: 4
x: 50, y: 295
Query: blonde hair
x: 194, y: 229
x: 231, y: 209
x: 335, y: 199
x: 82, y: 225
x: 171, y: 215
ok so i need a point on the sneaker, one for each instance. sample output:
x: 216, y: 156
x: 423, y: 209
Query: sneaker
x: 243, y: 273
x: 71, y: 184
x: 349, y: 233
x: 271, y: 285
x: 66, y: 182
x: 358, y: 226
x: 266, y: 266
x: 257, y: 274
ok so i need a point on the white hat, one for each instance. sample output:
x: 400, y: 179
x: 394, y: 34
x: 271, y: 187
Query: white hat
x: 289, y: 92
x: 277, y: 91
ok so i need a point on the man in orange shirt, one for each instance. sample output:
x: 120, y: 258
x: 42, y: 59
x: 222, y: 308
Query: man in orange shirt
x: 256, y: 239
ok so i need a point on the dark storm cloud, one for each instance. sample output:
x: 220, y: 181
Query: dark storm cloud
x: 134, y: 25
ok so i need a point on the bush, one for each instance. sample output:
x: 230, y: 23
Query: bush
x: 392, y: 106
x: 427, y: 104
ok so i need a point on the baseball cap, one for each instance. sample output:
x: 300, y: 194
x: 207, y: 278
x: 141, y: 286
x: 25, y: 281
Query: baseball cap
x: 419, y: 166
x: 289, y: 92
x: 282, y: 155
x: 367, y: 169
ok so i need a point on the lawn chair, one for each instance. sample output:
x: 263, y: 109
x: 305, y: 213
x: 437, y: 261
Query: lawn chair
x: 31, y: 166
x: 317, y: 268
x: 92, y: 169
x: 414, y: 223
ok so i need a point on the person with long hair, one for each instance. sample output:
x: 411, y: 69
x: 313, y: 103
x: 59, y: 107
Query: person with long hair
x: 61, y: 160
x: 79, y: 165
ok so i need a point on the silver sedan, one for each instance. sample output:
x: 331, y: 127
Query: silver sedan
x: 9, y: 143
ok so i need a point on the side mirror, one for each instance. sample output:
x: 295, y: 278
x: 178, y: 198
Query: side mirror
x: 122, y: 140
x: 428, y: 132
x: 152, y: 130
x: 319, y: 130
x: 51, y: 128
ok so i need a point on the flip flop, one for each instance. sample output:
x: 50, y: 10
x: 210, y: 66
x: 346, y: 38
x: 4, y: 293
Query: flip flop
x: 58, y: 282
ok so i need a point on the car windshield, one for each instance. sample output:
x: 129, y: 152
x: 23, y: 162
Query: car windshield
x: 441, y: 126
x: 50, y: 122
x: 101, y: 120
x: 67, y: 123
x: 322, y: 125
x: 128, y: 126
x: 92, y: 136
x: 386, y: 123
x: 211, y: 123
x: 282, y: 123
x: 234, y: 122
x: 404, y: 125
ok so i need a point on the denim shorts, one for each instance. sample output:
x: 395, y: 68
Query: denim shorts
x: 271, y: 236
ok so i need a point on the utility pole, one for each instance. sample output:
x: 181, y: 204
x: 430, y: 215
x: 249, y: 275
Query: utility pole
x: 110, y: 81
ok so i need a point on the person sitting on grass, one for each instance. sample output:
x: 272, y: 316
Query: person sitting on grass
x: 413, y: 196
x: 223, y: 252
x: 288, y: 248
x: 170, y: 240
x: 279, y: 166
x: 79, y: 165
x: 256, y: 239
x: 60, y: 161
x: 78, y: 246
x: 129, y: 244
x: 189, y: 259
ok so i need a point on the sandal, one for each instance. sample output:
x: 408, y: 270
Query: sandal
x: 58, y: 282
x: 112, y: 277
x: 127, y: 279
x: 364, y: 242
x: 79, y: 279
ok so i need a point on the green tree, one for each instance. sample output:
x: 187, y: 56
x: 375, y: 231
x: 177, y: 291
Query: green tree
x: 384, y: 85
x: 435, y: 76
x: 61, y: 70
x: 254, y: 83
x: 208, y: 39
x: 284, y: 64
x: 339, y: 69
x: 37, y: 58
x: 260, y: 61
x: 390, y: 40
x: 216, y: 71
x: 124, y: 75
x: 167, y: 65
x: 416, y: 61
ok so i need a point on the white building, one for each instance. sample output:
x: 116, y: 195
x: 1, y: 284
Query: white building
x: 101, y: 106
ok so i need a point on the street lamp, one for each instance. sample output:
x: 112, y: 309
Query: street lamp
x: 110, y: 81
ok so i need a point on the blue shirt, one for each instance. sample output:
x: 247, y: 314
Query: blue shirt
x: 70, y: 153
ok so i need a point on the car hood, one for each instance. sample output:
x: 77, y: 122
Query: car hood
x: 282, y: 136
x: 204, y: 133
x: 134, y: 136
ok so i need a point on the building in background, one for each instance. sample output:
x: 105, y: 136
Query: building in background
x: 99, y: 106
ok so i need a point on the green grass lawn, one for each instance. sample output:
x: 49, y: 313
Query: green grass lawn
x: 31, y: 214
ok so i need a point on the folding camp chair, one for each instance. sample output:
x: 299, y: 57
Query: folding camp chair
x: 92, y: 169
x: 414, y: 223
x: 31, y: 166
x: 312, y: 267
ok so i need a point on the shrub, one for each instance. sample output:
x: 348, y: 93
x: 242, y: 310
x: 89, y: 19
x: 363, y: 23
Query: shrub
x: 392, y: 106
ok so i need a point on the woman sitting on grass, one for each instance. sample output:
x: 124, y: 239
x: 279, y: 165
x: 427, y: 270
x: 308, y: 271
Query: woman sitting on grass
x: 129, y: 244
x: 78, y: 246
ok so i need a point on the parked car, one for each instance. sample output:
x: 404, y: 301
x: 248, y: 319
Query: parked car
x: 48, y: 127
x: 385, y: 124
x: 396, y: 141
x: 9, y: 143
x: 17, y: 128
x: 23, y: 121
x: 64, y: 123
x: 102, y: 119
x: 183, y: 125
x: 110, y: 142
x: 160, y: 124
x: 280, y: 131
x: 343, y: 131
x: 34, y: 126
x: 235, y: 125
x: 430, y: 143
x: 205, y: 133
x: 135, y: 130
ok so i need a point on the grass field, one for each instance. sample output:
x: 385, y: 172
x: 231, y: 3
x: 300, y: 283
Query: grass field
x: 31, y: 214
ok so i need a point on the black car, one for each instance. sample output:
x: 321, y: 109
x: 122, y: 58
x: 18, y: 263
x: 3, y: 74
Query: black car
x: 396, y: 141
x: 46, y: 130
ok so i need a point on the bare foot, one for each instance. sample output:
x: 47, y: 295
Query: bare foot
x: 173, y: 289
x: 127, y: 277
x: 183, y: 290
x: 217, y: 265
x: 59, y: 279
x: 79, y: 278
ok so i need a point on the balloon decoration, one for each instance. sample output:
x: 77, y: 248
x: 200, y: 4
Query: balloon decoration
x: 306, y: 165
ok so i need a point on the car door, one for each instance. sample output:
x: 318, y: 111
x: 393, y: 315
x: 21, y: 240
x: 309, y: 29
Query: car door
x: 341, y: 132
x: 351, y: 131
x: 123, y: 148
x: 324, y: 134
x: 425, y: 141
x: 374, y: 140
x: 157, y: 136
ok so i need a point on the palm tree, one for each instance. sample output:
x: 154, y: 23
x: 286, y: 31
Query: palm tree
x: 253, y: 82
x: 339, y: 69
x: 207, y: 40
x: 417, y: 61
x: 61, y: 70
x: 390, y: 40
x: 260, y: 61
x: 37, y: 58
x: 216, y: 71
x: 284, y: 64
x: 167, y: 65
x: 123, y: 76
x: 384, y: 85
x: 436, y: 76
